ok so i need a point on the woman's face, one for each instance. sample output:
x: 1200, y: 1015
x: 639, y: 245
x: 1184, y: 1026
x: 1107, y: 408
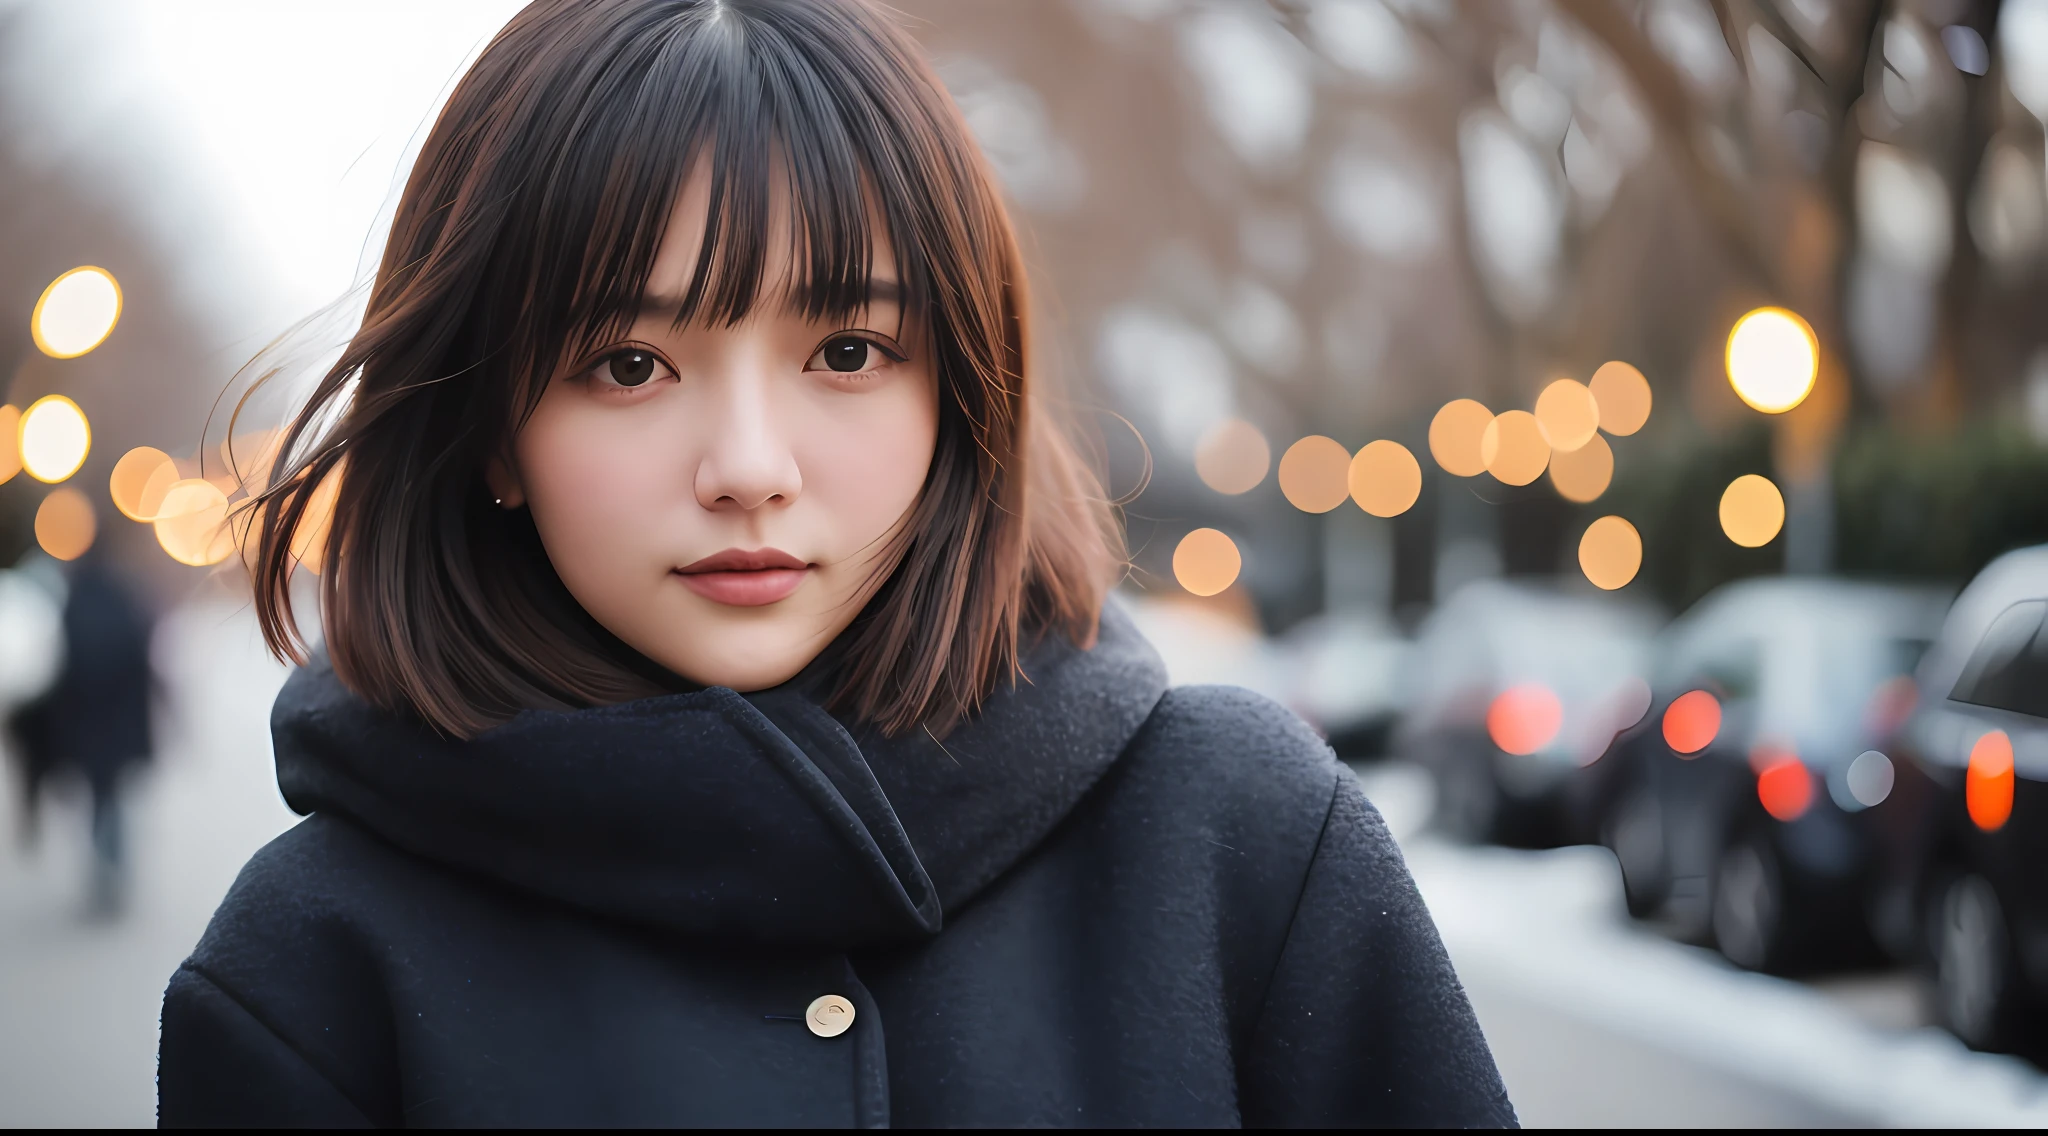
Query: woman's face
x: 722, y: 499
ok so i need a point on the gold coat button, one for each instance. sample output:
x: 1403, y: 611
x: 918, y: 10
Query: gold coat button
x: 829, y: 1016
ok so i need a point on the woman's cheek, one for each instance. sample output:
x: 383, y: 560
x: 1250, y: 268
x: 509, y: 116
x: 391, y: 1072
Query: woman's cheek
x: 593, y: 482
x: 873, y: 460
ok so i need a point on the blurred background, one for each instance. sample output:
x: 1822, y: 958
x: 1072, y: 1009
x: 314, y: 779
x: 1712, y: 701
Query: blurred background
x: 1621, y: 426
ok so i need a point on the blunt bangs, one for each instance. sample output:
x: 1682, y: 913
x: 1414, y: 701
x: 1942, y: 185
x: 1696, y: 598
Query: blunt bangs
x: 527, y: 234
x: 770, y: 113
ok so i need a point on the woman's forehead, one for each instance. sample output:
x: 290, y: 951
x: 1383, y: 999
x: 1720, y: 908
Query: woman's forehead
x: 787, y: 269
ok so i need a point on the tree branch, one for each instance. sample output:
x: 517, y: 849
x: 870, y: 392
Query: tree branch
x: 1673, y: 109
x: 1730, y: 34
x: 1781, y: 30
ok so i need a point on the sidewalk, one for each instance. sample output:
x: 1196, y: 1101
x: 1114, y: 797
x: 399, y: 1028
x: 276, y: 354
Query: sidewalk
x: 79, y: 999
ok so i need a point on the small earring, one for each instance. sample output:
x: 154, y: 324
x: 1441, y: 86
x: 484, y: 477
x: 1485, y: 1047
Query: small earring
x: 498, y: 501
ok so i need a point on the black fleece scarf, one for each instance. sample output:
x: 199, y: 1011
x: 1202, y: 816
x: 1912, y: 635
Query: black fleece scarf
x: 757, y: 818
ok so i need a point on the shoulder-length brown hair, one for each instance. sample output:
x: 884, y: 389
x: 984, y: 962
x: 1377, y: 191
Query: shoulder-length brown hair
x: 526, y: 233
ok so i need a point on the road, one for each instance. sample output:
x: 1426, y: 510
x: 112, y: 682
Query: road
x: 1594, y: 1021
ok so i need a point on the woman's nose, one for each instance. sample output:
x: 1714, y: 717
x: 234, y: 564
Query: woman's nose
x: 749, y: 462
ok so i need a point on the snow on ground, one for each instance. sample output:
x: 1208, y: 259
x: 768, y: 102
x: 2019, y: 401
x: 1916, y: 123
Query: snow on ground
x: 1598, y: 1020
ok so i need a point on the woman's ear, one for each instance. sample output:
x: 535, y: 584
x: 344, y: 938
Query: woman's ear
x: 504, y: 483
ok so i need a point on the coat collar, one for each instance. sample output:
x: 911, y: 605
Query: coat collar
x: 753, y: 817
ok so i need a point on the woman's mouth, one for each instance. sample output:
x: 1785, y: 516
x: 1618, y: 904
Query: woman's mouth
x: 744, y: 578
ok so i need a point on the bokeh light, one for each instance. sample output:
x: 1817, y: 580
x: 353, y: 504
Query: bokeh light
x: 10, y: 442
x: 1623, y: 396
x: 192, y: 523
x: 76, y: 313
x: 1610, y: 553
x: 1692, y: 722
x: 1206, y: 562
x: 247, y: 459
x: 1455, y: 434
x: 1869, y: 778
x: 54, y: 438
x: 1523, y: 719
x: 1385, y: 479
x: 1513, y: 449
x: 139, y: 482
x: 1315, y: 474
x: 1783, y: 786
x: 1987, y: 786
x: 1752, y: 511
x: 65, y: 524
x: 1567, y: 414
x: 309, y: 540
x: 1233, y: 457
x: 1583, y: 474
x: 1772, y: 359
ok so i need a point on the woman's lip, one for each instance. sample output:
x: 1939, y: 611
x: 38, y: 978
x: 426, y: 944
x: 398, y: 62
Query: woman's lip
x: 744, y: 588
x: 744, y: 560
x: 744, y: 577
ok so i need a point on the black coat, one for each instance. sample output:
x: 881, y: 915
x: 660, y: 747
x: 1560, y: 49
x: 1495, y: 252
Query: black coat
x: 1099, y: 903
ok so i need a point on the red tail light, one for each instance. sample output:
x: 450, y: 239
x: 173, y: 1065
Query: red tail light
x: 1525, y: 718
x: 1987, y: 787
x: 1691, y: 722
x: 1784, y: 787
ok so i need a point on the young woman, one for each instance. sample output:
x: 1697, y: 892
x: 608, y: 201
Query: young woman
x: 719, y: 720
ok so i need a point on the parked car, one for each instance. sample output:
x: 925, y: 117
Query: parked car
x: 1204, y: 643
x: 1344, y: 677
x: 1963, y: 884
x: 1514, y: 688
x: 1734, y: 808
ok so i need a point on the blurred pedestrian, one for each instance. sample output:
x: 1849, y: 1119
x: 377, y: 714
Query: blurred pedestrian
x: 697, y: 365
x: 31, y: 650
x: 93, y: 722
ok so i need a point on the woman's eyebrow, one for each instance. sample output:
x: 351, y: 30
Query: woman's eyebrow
x: 881, y: 290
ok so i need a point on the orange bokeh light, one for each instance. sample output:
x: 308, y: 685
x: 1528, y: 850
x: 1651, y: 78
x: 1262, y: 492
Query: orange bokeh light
x: 1205, y: 562
x: 1385, y: 479
x: 1691, y: 722
x: 65, y: 525
x: 1455, y: 434
x: 1233, y: 457
x: 192, y: 526
x: 1315, y: 474
x: 10, y: 450
x: 1784, y: 788
x: 1623, y: 395
x: 139, y: 482
x: 1514, y: 449
x: 1567, y: 415
x: 1987, y: 787
x: 1582, y: 475
x: 1525, y: 718
x: 309, y: 540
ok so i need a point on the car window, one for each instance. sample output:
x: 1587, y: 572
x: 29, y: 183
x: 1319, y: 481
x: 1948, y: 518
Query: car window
x: 2009, y: 668
x: 1732, y: 668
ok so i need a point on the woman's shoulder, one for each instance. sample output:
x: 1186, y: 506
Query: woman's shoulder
x: 1230, y: 738
x: 1234, y: 764
x: 281, y: 1008
x: 321, y: 872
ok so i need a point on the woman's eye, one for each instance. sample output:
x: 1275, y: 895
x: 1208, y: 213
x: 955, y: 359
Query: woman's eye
x: 846, y: 354
x: 630, y: 368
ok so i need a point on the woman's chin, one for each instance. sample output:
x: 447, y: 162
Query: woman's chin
x: 744, y: 655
